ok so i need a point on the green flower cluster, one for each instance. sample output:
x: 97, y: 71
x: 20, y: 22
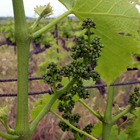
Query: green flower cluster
x: 75, y: 69
x: 52, y: 75
x: 67, y: 105
x: 88, y: 23
x: 134, y: 97
x: 86, y: 52
x: 88, y: 128
x: 88, y: 49
x: 89, y: 53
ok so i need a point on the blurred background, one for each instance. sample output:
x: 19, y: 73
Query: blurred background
x: 52, y: 46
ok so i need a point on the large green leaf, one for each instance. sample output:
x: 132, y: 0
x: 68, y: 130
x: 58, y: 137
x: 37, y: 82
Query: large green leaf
x: 112, y: 17
x: 116, y: 56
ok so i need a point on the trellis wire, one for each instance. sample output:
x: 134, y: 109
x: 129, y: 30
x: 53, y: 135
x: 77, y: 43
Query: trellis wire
x: 50, y: 90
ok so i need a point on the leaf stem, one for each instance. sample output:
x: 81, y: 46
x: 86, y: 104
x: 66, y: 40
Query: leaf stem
x: 107, y: 124
x: 92, y: 111
x: 135, y: 114
x: 8, y: 136
x: 39, y: 32
x: 108, y: 111
x: 124, y: 123
x: 67, y: 87
x: 78, y: 130
x: 35, y: 24
x: 47, y: 107
x: 117, y: 117
x: 9, y: 130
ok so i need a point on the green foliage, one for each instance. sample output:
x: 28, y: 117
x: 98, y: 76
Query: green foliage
x: 66, y: 29
x: 110, y: 16
x: 48, y: 39
x: 97, y: 130
x: 115, y: 136
x: 8, y: 30
x: 56, y: 57
x: 132, y: 132
x: 45, y: 38
x: 40, y: 103
x: 4, y: 115
x: 44, y: 11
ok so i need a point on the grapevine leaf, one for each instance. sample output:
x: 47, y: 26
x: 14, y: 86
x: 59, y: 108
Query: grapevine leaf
x: 44, y: 11
x: 117, y: 107
x: 112, y: 17
x: 69, y: 4
x: 136, y: 65
x: 35, y: 112
x: 4, y: 114
x: 40, y: 103
x: 116, y: 56
x: 134, y: 129
x: 89, y: 82
x: 97, y: 130
x: 113, y: 133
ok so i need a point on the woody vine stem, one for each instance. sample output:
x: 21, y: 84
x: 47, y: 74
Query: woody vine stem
x: 23, y: 39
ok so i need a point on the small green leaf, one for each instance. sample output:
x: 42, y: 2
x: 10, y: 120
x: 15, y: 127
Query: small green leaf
x: 117, y: 107
x: 89, y: 82
x: 4, y: 114
x: 44, y: 11
x: 40, y: 105
x: 114, y: 132
x: 97, y: 130
x: 76, y: 98
x: 65, y: 81
x: 136, y: 65
x: 35, y: 112
x: 55, y: 46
